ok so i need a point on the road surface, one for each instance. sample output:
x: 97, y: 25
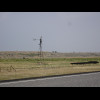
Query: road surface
x: 78, y: 80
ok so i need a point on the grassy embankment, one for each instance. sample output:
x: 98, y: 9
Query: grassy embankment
x: 15, y: 68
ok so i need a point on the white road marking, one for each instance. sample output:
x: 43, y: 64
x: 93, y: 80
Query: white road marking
x: 55, y: 77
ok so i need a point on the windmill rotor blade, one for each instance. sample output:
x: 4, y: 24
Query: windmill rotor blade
x: 34, y: 39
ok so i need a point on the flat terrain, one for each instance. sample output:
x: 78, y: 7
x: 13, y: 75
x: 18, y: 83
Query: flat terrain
x: 79, y: 80
x: 18, y: 65
x: 33, y: 54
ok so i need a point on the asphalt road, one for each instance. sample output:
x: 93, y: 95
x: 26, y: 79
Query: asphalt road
x: 79, y: 80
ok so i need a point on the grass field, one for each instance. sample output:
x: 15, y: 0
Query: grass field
x: 15, y: 68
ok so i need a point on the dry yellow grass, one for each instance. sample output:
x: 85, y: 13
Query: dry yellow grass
x: 29, y: 67
x: 46, y: 71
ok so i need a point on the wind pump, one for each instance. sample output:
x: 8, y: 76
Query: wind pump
x: 40, y: 48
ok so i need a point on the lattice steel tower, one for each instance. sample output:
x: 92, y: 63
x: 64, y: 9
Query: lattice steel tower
x: 40, y: 47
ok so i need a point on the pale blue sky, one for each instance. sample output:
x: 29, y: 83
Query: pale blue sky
x: 61, y: 31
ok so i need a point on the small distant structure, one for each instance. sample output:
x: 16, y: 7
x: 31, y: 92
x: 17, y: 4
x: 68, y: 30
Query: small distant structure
x: 54, y: 51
